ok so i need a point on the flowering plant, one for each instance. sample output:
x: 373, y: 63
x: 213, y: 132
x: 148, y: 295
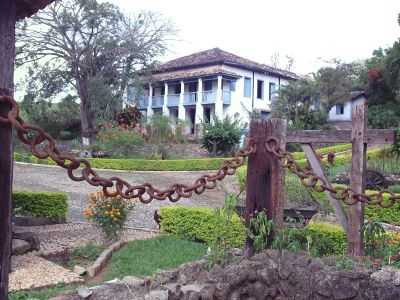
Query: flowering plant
x: 109, y: 213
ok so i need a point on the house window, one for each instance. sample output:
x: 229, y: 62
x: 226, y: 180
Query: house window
x: 340, y: 109
x: 162, y: 90
x: 260, y: 89
x: 247, y: 87
x: 272, y: 90
x: 208, y: 85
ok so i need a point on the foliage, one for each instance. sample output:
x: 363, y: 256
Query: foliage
x: 298, y: 102
x: 200, y: 164
x: 160, y: 132
x: 145, y: 257
x: 41, y: 204
x: 259, y: 230
x: 202, y: 224
x: 129, y: 117
x: 41, y: 294
x: 374, y: 237
x: 109, y: 213
x: 220, y: 244
x: 344, y: 263
x: 319, y: 239
x: 59, y: 119
x: 221, y: 136
x: 92, y: 49
x: 324, y: 150
x: 118, y: 141
x: 396, y: 145
x: 383, y: 116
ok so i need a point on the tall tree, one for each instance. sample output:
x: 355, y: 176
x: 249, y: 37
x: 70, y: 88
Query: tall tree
x: 91, y: 47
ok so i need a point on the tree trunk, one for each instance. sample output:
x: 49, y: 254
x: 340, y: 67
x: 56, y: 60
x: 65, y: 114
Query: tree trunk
x: 87, y: 122
x: 7, y: 58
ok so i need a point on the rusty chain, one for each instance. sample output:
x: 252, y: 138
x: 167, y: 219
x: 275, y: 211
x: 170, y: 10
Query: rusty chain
x: 43, y: 146
x: 310, y: 180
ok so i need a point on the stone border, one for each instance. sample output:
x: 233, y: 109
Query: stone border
x: 103, y: 259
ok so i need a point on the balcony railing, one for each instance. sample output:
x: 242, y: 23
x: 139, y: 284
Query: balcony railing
x: 142, y: 102
x: 190, y: 98
x: 157, y: 101
x: 209, y: 97
x: 226, y: 96
x: 173, y: 100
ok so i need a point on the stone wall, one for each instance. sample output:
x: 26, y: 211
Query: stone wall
x: 270, y: 275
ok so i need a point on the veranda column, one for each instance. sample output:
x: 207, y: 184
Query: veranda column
x: 150, y: 102
x: 181, y: 107
x: 199, y: 107
x: 7, y: 57
x: 219, y: 104
x: 165, y: 105
x: 357, y: 178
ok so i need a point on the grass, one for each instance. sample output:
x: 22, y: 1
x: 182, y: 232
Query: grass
x: 85, y: 255
x: 145, y: 257
x: 42, y: 294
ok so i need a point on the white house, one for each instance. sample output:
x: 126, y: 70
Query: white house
x: 340, y: 114
x: 197, y: 87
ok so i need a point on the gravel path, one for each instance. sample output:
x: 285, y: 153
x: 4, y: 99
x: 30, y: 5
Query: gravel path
x: 47, y: 178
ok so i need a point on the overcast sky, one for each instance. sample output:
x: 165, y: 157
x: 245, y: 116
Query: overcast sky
x: 309, y: 31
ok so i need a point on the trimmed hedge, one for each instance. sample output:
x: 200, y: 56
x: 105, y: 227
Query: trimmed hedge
x: 41, y: 204
x: 324, y: 150
x: 201, y: 224
x: 319, y: 238
x: 201, y: 164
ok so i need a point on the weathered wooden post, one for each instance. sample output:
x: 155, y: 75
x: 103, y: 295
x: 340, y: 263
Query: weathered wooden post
x: 357, y: 178
x: 265, y: 175
x: 7, y: 54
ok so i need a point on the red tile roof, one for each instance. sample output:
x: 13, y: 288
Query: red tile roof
x: 26, y: 8
x: 217, y: 56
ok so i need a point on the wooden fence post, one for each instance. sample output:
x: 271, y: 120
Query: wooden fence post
x: 6, y: 167
x: 265, y: 175
x: 7, y: 57
x: 357, y: 178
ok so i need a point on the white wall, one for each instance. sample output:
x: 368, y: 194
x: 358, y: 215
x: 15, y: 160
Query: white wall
x: 241, y: 104
x: 346, y: 116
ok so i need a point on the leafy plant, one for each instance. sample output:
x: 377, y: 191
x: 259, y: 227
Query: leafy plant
x: 344, y: 263
x: 118, y: 141
x: 374, y: 237
x: 259, y: 230
x: 220, y: 245
x: 221, y: 136
x: 109, y: 213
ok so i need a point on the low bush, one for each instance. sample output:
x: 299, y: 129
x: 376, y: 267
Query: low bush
x: 324, y: 150
x: 41, y: 204
x: 200, y: 164
x: 201, y: 224
x: 318, y: 238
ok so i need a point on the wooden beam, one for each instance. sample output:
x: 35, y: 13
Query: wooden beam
x: 373, y: 136
x: 319, y: 171
x: 357, y: 177
x: 265, y: 174
x: 7, y: 57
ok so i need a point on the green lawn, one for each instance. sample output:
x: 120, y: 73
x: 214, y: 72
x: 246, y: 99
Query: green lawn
x: 145, y: 257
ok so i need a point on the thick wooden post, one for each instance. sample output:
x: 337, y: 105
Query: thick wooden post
x: 265, y: 175
x: 357, y: 178
x: 7, y: 56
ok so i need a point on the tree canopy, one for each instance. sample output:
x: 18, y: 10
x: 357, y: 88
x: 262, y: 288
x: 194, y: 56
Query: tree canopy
x: 92, y: 50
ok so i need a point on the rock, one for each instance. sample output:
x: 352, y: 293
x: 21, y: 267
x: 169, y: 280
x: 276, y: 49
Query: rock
x: 157, y: 295
x: 84, y: 292
x: 79, y: 270
x: 20, y: 247
x: 133, y: 281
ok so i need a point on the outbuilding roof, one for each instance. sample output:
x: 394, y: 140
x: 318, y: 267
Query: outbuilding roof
x: 217, y: 56
x: 26, y: 8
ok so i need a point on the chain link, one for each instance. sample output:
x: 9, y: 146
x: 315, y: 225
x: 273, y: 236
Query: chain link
x: 43, y: 146
x: 310, y: 180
